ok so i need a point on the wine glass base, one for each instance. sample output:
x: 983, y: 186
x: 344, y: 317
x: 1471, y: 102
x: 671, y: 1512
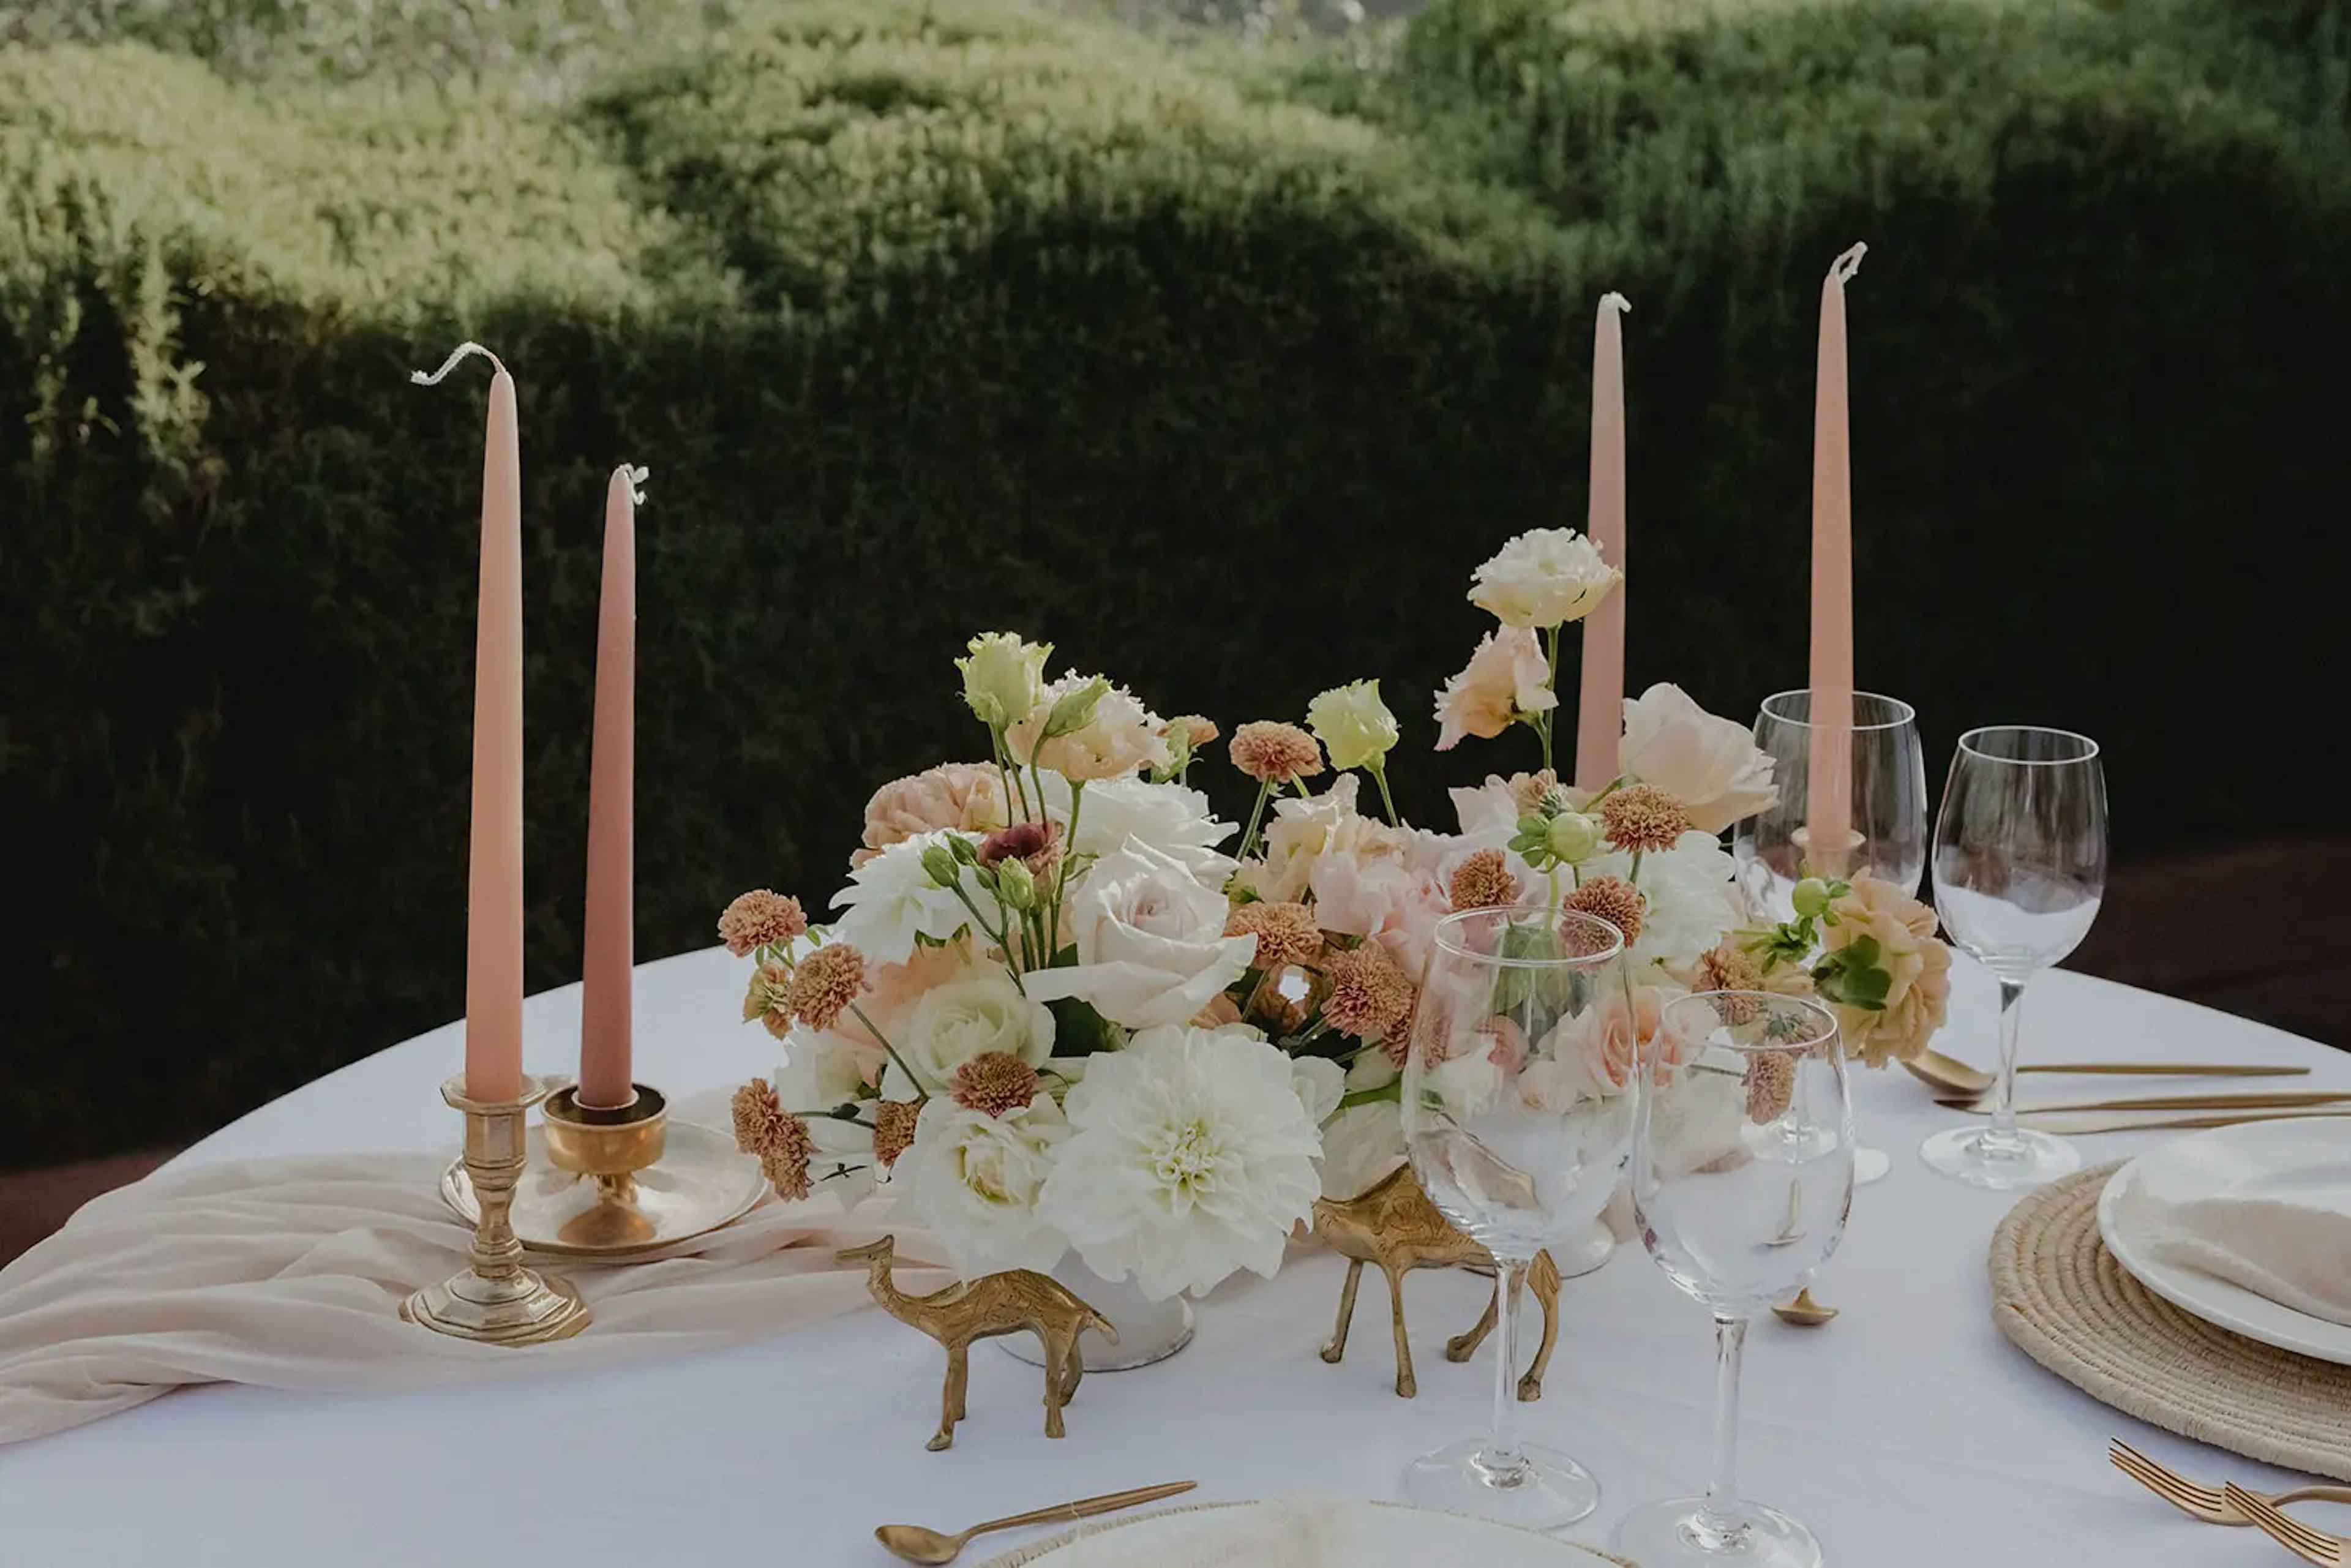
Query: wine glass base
x: 1679, y: 1533
x: 1546, y: 1490
x: 1870, y: 1164
x: 1972, y: 1155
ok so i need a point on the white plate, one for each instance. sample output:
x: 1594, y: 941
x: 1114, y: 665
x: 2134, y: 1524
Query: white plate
x: 2211, y: 1164
x: 1306, y: 1533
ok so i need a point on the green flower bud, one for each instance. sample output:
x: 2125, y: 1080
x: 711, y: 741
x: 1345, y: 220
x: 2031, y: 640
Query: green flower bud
x: 1015, y: 886
x: 1812, y: 897
x: 1075, y: 709
x: 964, y: 849
x: 940, y: 863
x: 1574, y: 836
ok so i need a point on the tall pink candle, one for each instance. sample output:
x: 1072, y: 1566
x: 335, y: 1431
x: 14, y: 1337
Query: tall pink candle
x: 1600, y: 704
x: 1828, y: 801
x: 605, y: 1080
x: 494, y: 863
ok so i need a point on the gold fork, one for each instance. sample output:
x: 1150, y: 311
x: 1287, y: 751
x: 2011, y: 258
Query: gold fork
x: 2310, y: 1545
x: 2210, y: 1504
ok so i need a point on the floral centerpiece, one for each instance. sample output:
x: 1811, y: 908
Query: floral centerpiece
x: 1056, y: 1015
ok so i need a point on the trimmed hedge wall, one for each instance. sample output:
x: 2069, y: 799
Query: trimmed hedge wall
x: 1220, y: 372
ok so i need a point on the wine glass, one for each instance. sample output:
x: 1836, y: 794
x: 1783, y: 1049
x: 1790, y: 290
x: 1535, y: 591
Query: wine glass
x: 1737, y: 1225
x: 1888, y: 839
x: 1518, y: 1130
x: 1888, y: 804
x: 2019, y: 869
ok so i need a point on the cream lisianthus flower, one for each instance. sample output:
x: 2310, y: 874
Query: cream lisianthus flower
x: 891, y: 900
x: 1004, y: 677
x: 1085, y: 728
x: 976, y: 1182
x: 980, y: 1012
x: 1303, y: 827
x: 1356, y: 727
x: 1151, y: 942
x: 1507, y: 679
x: 1543, y: 578
x: 1191, y: 1155
x: 1711, y: 764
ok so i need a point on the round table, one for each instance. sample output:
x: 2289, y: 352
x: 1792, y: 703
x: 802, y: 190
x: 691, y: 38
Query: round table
x: 1906, y: 1433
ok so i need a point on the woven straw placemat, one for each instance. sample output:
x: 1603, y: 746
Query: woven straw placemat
x: 2060, y: 1297
x: 1022, y: 1555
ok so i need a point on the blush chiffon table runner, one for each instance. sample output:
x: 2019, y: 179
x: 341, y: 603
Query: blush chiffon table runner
x: 1908, y: 1432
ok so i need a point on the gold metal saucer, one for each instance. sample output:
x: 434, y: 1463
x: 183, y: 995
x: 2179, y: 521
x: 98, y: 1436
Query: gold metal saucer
x: 700, y: 1182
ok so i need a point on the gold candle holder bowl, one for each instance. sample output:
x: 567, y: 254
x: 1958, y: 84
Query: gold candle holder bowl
x: 497, y: 1299
x: 618, y: 1182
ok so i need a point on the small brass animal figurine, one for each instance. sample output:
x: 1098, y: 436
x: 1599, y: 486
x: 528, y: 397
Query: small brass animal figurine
x: 1396, y: 1225
x: 986, y: 1308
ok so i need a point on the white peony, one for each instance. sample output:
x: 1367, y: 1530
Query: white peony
x: 1171, y: 818
x: 1151, y: 941
x: 971, y: 1016
x: 975, y: 1181
x: 1711, y: 764
x: 1692, y: 901
x: 890, y: 900
x: 1190, y: 1156
x: 1543, y: 578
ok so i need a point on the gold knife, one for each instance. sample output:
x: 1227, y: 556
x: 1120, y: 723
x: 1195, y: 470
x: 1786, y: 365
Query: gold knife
x: 2270, y: 1100
x: 2087, y: 1126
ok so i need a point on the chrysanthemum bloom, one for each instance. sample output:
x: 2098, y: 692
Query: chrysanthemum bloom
x: 1286, y: 932
x: 1643, y: 817
x: 894, y: 1129
x: 1770, y: 1085
x: 769, y: 997
x: 1727, y: 968
x: 1037, y: 845
x: 1484, y: 880
x: 761, y: 918
x: 786, y: 1161
x: 1274, y: 753
x: 1370, y: 997
x: 756, y: 1113
x: 994, y: 1082
x: 1615, y: 900
x: 826, y: 982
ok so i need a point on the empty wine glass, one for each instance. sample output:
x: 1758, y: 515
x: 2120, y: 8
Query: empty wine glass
x: 1888, y: 803
x: 1888, y: 795
x: 1519, y: 1129
x: 2019, y: 870
x: 1737, y: 1222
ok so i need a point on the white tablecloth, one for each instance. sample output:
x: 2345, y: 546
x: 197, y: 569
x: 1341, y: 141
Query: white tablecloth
x: 1906, y: 1433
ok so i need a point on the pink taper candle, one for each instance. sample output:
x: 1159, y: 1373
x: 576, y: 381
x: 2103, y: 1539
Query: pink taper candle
x: 605, y: 1080
x: 494, y: 865
x: 1828, y: 802
x: 1600, y: 705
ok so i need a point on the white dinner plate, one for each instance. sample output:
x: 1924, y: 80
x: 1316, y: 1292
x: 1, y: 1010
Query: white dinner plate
x: 1312, y: 1532
x: 2212, y: 1165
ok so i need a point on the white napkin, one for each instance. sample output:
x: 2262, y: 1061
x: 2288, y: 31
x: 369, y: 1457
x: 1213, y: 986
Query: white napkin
x: 2289, y: 1241
x: 289, y: 1273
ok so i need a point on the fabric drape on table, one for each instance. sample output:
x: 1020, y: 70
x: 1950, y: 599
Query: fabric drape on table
x: 288, y: 1273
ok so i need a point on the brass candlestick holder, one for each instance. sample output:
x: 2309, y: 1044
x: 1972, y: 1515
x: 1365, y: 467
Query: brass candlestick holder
x: 608, y: 1147
x: 497, y: 1300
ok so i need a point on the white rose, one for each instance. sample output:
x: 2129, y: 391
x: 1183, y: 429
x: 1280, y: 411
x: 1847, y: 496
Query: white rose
x: 890, y: 900
x: 1173, y: 818
x: 1150, y: 939
x: 1711, y: 764
x: 975, y: 1180
x: 978, y: 1013
x: 1466, y: 1083
x: 1543, y: 578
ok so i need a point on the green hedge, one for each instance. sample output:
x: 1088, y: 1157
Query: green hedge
x: 1220, y: 372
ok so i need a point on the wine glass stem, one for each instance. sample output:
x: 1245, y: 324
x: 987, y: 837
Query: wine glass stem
x: 2001, y: 1138
x: 1718, y: 1521
x: 1504, y: 1463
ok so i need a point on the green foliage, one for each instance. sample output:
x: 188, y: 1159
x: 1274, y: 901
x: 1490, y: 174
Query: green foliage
x: 1220, y: 372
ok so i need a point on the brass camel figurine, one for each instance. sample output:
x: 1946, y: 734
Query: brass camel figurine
x: 987, y: 1308
x: 1394, y: 1225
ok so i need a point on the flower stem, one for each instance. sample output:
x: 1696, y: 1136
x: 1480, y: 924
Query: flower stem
x: 1061, y: 872
x: 1380, y: 777
x: 912, y: 1081
x: 1257, y: 815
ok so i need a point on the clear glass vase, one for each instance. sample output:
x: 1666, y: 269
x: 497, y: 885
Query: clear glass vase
x: 1148, y: 1331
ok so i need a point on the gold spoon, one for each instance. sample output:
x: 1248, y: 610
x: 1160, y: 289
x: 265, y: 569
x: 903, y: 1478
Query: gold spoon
x: 1805, y: 1311
x: 917, y: 1544
x: 1952, y: 1076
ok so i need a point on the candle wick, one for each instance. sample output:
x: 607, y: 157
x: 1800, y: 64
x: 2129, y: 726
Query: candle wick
x: 460, y: 351
x: 636, y: 476
x: 1842, y: 268
x: 1613, y: 300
